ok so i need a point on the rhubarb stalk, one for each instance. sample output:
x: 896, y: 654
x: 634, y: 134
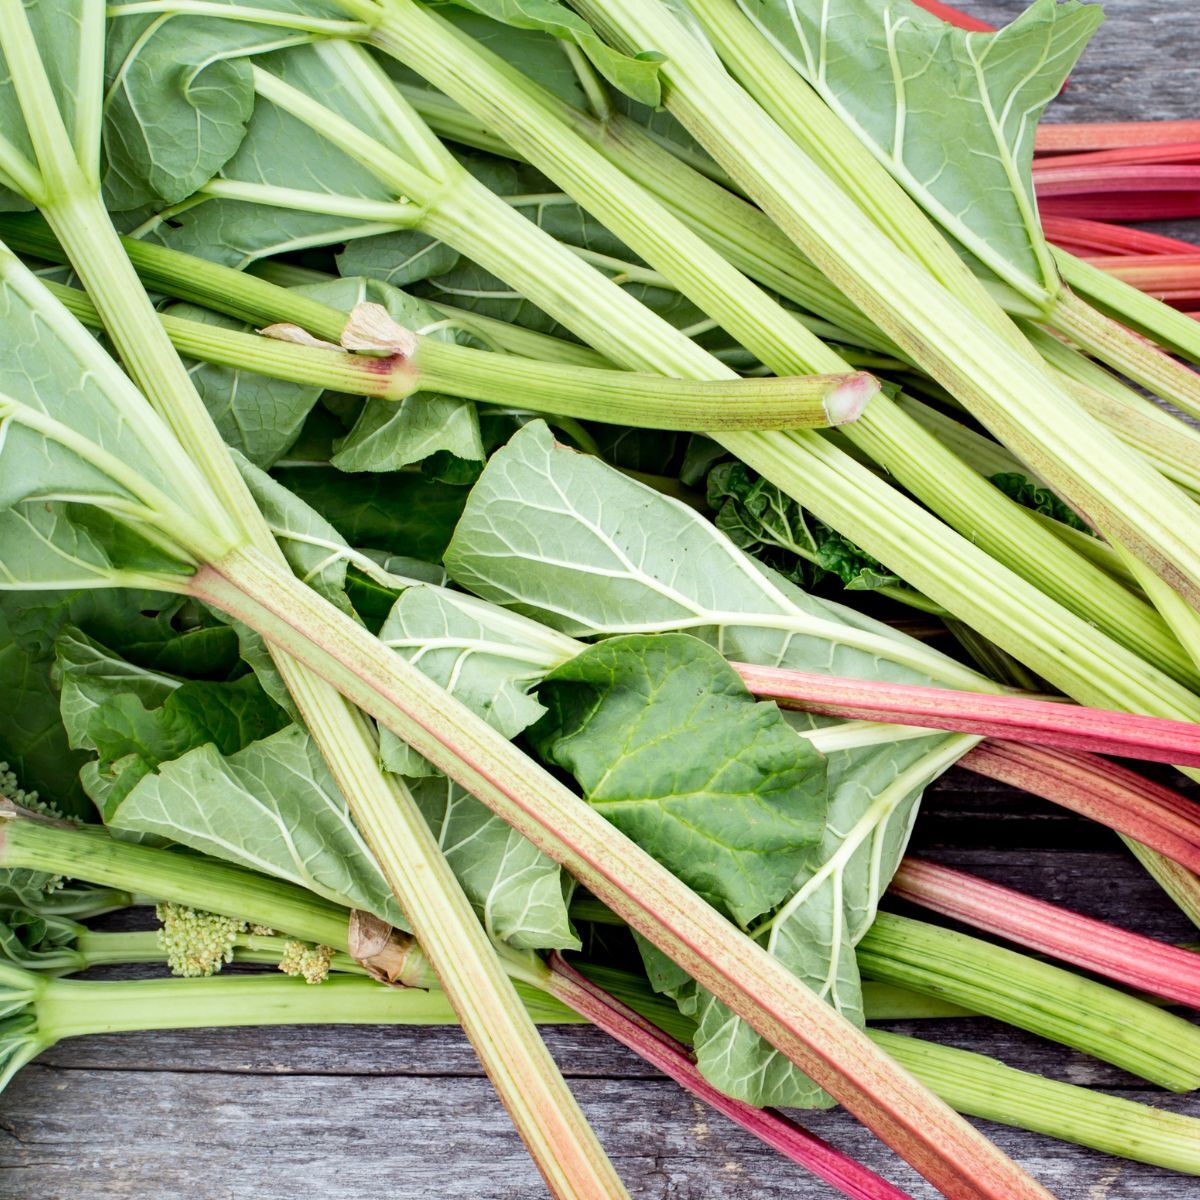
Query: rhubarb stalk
x: 1129, y: 958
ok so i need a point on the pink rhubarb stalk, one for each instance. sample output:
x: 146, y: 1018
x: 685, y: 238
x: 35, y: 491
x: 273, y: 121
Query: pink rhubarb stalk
x: 1039, y: 722
x: 1086, y: 238
x: 1098, y: 789
x: 674, y: 1060
x: 1174, y: 279
x: 1107, y: 135
x: 1128, y: 958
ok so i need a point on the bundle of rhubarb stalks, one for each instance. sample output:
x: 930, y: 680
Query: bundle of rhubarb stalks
x: 505, y: 506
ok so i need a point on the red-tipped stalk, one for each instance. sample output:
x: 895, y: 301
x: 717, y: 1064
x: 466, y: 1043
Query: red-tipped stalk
x: 1174, y: 279
x: 1118, y: 193
x: 1084, y: 237
x: 1100, y: 790
x: 1106, y: 135
x: 954, y: 17
x: 1128, y: 958
x: 1039, y: 722
x: 674, y: 1060
x: 1174, y: 152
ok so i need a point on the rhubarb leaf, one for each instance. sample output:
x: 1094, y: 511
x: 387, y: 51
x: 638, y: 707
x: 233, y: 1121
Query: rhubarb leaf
x: 637, y: 76
x: 272, y: 807
x: 667, y: 743
x: 179, y: 93
x: 86, y: 467
x: 564, y: 539
x: 951, y: 114
x: 488, y: 658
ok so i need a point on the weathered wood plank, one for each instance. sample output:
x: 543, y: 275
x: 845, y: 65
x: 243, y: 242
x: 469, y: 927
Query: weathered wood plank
x: 112, y: 1136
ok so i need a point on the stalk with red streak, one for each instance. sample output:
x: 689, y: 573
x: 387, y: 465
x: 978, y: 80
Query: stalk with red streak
x: 673, y: 1059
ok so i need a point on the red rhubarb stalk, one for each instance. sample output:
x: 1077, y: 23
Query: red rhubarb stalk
x: 1039, y: 722
x: 1098, y: 789
x: 1121, y: 193
x: 1105, y: 135
x: 1117, y: 954
x: 673, y: 1059
x: 1098, y: 237
x: 954, y: 17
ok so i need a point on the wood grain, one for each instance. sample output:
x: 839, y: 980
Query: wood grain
x: 348, y: 1114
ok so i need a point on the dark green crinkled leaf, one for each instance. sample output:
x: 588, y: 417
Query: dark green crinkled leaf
x: 757, y: 517
x: 637, y: 76
x: 1025, y: 492
x: 668, y: 744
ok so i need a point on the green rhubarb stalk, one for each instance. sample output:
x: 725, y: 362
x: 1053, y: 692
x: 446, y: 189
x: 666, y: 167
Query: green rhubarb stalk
x: 1033, y: 995
x: 1113, y: 343
x: 63, y: 181
x: 514, y: 106
x: 49, y: 1010
x: 1001, y: 383
x: 31, y: 842
x: 983, y: 1087
x: 818, y: 130
x: 648, y: 897
x: 615, y: 397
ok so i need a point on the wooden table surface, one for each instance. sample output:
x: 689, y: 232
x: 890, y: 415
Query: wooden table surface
x: 346, y: 1114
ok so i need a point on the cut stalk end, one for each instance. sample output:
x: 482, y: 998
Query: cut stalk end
x: 847, y: 400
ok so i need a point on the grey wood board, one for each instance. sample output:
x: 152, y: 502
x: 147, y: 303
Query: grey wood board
x: 347, y: 1113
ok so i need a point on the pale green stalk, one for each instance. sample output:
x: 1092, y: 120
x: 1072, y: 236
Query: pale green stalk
x: 820, y: 132
x: 824, y: 480
x: 586, y: 393
x: 553, y: 1127
x: 995, y: 377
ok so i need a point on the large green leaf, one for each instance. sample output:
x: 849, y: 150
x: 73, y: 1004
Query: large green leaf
x: 151, y: 630
x: 272, y: 807
x: 637, y: 76
x: 567, y: 540
x: 951, y: 114
x: 85, y: 464
x: 668, y: 744
x: 134, y: 719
